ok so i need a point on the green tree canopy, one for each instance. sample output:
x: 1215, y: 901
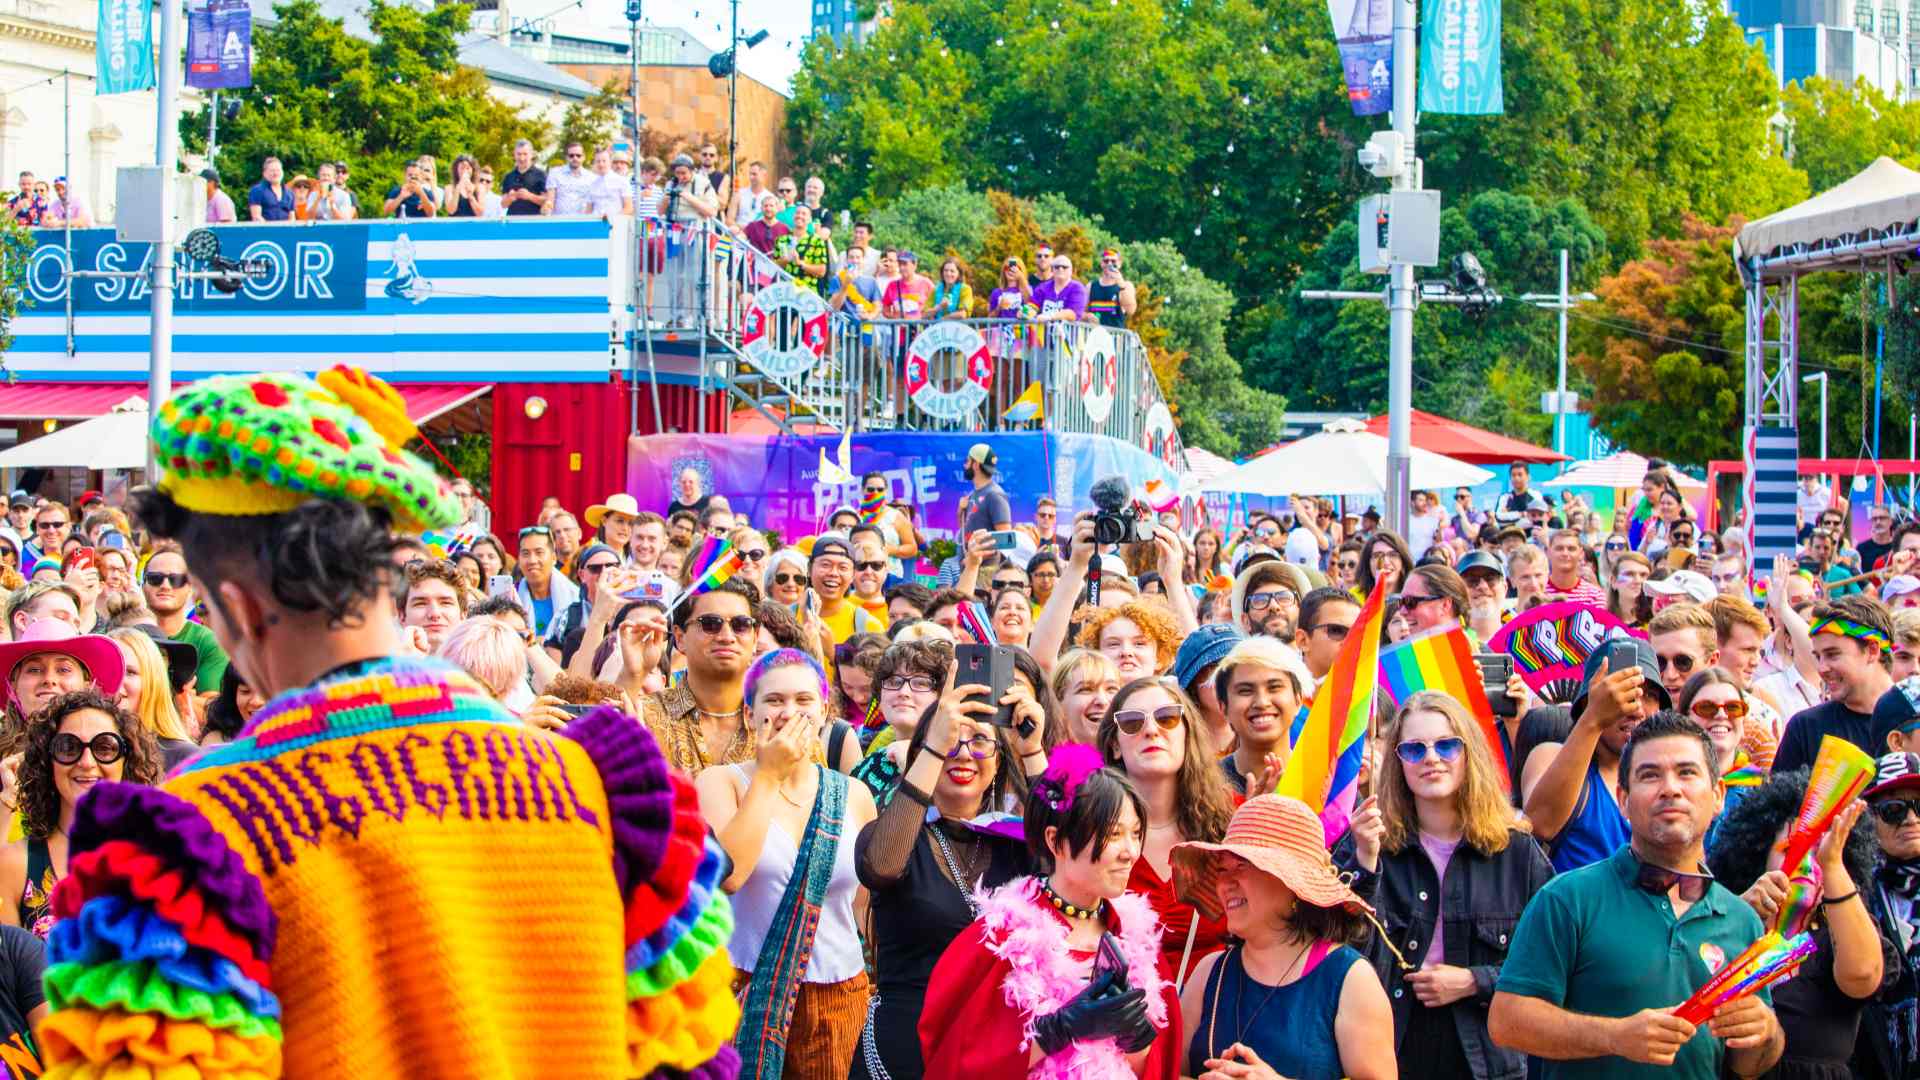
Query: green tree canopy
x: 320, y: 94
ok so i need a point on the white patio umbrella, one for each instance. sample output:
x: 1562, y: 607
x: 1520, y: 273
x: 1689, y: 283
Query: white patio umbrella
x: 1343, y: 459
x: 117, y: 440
x: 1622, y: 470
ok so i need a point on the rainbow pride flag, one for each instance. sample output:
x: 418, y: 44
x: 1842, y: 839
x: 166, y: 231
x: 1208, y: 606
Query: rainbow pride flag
x: 717, y: 561
x: 1443, y: 660
x: 871, y: 506
x: 1324, y: 769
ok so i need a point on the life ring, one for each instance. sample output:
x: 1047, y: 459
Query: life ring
x: 1157, y: 434
x: 957, y: 403
x: 1098, y: 371
x: 760, y: 340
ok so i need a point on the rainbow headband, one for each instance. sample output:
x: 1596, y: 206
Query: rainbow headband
x: 1843, y: 627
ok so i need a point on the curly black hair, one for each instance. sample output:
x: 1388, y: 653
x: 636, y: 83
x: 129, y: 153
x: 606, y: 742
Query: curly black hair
x: 39, y: 797
x: 327, y: 556
x: 1747, y: 832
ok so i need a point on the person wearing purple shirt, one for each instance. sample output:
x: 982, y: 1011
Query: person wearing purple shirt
x: 1060, y: 298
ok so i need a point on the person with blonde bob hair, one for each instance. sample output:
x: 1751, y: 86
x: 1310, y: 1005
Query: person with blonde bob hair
x: 1152, y: 732
x: 488, y: 650
x: 1084, y: 683
x: 1448, y: 870
x: 1139, y: 636
x: 146, y: 691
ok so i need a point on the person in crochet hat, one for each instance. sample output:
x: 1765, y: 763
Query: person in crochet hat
x: 384, y: 874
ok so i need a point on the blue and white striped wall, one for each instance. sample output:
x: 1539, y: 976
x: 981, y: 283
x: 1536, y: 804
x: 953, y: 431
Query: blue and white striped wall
x: 527, y: 300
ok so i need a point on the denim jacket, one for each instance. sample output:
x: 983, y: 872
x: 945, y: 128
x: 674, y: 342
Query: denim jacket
x: 1480, y: 902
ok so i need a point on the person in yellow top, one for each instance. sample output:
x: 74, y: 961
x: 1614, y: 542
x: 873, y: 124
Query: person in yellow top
x: 832, y: 568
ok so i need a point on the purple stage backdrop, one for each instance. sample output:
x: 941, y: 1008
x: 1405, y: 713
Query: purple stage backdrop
x: 775, y: 480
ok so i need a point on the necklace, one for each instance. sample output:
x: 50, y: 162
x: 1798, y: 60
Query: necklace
x: 1242, y: 1027
x: 699, y: 739
x: 791, y: 801
x: 1065, y: 906
x: 964, y: 882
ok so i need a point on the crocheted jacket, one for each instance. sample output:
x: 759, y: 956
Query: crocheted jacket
x: 387, y: 876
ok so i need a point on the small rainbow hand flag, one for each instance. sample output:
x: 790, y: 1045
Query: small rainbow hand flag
x: 717, y: 561
x: 1323, y: 770
x: 871, y: 506
x: 1744, y: 772
x: 1443, y: 660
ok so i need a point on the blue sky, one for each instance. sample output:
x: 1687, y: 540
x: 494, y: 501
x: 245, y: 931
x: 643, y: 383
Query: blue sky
x: 773, y: 61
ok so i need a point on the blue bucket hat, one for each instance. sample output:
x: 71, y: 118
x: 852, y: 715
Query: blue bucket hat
x: 1202, y: 649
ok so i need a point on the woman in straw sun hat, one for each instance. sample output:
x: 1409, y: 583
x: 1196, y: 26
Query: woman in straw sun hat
x: 1295, y: 1000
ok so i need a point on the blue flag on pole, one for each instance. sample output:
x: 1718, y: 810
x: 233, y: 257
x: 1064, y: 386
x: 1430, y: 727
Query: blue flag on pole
x: 123, y: 47
x: 1363, y: 30
x: 1460, y: 57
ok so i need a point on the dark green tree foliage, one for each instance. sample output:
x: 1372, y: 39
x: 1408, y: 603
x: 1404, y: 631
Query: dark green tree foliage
x: 320, y: 95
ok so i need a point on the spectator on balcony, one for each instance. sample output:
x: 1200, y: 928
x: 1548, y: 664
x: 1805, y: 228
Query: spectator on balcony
x: 571, y: 184
x: 859, y: 293
x: 302, y: 188
x: 1060, y: 298
x: 789, y: 192
x: 911, y: 294
x: 340, y: 174
x: 649, y: 198
x: 689, y: 204
x: 610, y: 195
x: 66, y: 207
x: 1014, y: 292
x: 746, y: 203
x: 28, y: 207
x: 811, y: 194
x: 269, y: 200
x: 466, y: 198
x: 1042, y: 265
x: 952, y: 296
x: 805, y: 253
x: 1111, y: 300
x: 489, y: 198
x: 327, y: 200
x: 411, y: 197
x: 219, y: 203
x: 717, y: 177
x: 523, y: 191
x: 765, y: 232
x: 430, y: 176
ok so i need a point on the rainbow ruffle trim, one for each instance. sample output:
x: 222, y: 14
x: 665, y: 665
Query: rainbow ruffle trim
x: 158, y: 966
x: 681, y: 1012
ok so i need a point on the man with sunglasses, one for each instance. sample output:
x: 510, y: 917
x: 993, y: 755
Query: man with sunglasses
x: 869, y: 573
x: 703, y: 721
x: 1486, y: 580
x: 1852, y: 642
x: 1261, y: 685
x: 1683, y: 642
x: 830, y: 571
x: 1466, y: 520
x: 170, y: 595
x: 1603, y: 953
x: 51, y: 524
x: 1327, y: 615
x: 1060, y: 298
x: 541, y: 591
x: 1885, y: 1050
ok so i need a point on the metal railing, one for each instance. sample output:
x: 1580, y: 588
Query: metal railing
x: 869, y: 374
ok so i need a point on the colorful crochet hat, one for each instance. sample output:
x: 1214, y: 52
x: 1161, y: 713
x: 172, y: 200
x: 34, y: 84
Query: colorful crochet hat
x: 263, y: 444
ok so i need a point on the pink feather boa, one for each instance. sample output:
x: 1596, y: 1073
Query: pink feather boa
x: 1023, y: 931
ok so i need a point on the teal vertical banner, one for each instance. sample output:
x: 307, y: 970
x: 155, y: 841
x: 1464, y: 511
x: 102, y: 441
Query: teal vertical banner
x: 1460, y: 57
x: 123, y: 46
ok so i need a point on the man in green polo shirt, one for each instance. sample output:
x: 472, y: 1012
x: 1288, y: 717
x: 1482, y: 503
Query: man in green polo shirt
x: 1604, y: 953
x: 170, y: 594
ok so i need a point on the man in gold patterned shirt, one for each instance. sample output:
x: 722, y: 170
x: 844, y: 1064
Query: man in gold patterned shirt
x: 703, y: 720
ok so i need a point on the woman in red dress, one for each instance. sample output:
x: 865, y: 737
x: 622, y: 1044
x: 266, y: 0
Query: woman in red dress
x: 1152, y: 733
x: 1061, y: 977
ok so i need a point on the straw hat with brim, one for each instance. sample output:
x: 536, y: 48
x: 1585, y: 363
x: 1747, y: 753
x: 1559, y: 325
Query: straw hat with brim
x: 621, y: 503
x: 1281, y: 838
x: 99, y: 654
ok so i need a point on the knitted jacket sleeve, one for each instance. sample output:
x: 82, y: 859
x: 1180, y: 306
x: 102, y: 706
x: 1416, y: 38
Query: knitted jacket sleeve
x: 158, y: 964
x: 681, y: 1012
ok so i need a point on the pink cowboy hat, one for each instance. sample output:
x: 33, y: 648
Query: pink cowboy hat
x: 99, y: 654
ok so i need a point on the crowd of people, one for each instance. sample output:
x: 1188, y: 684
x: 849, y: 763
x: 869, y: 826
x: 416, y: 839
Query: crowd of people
x: 869, y: 817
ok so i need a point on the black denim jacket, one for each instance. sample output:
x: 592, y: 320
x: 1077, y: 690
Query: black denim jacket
x: 1480, y: 903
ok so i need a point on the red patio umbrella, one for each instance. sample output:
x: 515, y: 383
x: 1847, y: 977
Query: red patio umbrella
x: 1464, y: 442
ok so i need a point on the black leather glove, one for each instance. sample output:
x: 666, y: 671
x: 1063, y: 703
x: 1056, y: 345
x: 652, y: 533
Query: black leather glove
x: 1095, y: 1013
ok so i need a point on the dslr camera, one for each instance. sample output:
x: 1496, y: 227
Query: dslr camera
x: 1116, y: 519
